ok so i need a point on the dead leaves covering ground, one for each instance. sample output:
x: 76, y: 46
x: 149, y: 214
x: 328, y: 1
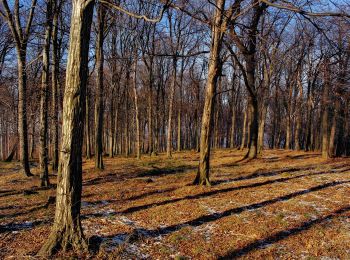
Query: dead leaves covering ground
x: 286, y: 205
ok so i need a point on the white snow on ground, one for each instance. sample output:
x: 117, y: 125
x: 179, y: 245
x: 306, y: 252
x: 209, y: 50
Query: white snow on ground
x: 110, y: 244
x: 318, y: 208
x: 206, y: 230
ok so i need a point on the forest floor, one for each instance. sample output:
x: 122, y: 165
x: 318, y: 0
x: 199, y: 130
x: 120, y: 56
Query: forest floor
x: 285, y: 205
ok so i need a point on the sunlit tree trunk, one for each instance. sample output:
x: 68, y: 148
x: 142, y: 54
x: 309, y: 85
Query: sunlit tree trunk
x: 214, y: 72
x: 67, y: 230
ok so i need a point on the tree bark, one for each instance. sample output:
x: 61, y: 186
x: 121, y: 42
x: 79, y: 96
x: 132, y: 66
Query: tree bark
x: 67, y: 230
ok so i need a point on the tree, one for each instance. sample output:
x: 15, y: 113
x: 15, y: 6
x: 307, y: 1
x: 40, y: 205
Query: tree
x: 67, y: 231
x: 219, y: 25
x: 101, y: 13
x: 44, y: 174
x: 21, y: 37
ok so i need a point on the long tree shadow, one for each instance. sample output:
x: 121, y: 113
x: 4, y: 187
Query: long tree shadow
x: 278, y: 236
x: 154, y: 172
x: 273, y: 172
x: 27, y: 225
x: 261, y: 173
x: 141, y: 232
x: 215, y: 192
x: 303, y: 156
x: 27, y: 192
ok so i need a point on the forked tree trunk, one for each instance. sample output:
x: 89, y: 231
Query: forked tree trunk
x: 44, y: 171
x: 214, y: 72
x: 67, y: 230
x: 99, y: 93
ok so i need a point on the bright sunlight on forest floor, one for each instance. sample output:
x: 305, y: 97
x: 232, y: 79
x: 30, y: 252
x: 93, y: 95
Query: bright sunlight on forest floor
x: 292, y: 205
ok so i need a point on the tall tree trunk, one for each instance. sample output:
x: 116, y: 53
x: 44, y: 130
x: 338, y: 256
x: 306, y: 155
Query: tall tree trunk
x: 299, y: 113
x: 137, y: 116
x: 214, y: 71
x: 44, y: 172
x: 262, y: 127
x: 244, y: 131
x: 22, y: 112
x: 67, y: 230
x: 87, y: 124
x: 111, y: 122
x: 289, y: 119
x: 308, y: 119
x: 170, y: 112
x: 55, y: 84
x: 32, y: 146
x: 325, y: 109
x: 335, y: 119
x: 99, y: 93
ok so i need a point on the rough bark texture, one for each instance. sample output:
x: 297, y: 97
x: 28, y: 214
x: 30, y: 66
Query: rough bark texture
x: 67, y: 230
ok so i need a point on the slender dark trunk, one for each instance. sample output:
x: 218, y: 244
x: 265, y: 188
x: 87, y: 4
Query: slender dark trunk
x: 44, y: 172
x: 99, y: 93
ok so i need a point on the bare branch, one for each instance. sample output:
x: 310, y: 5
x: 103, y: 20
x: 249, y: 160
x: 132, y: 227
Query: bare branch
x: 296, y: 9
x: 137, y: 16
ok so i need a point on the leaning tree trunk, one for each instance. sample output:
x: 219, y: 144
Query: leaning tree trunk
x: 44, y: 172
x: 67, y: 230
x: 99, y: 93
x: 214, y: 72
